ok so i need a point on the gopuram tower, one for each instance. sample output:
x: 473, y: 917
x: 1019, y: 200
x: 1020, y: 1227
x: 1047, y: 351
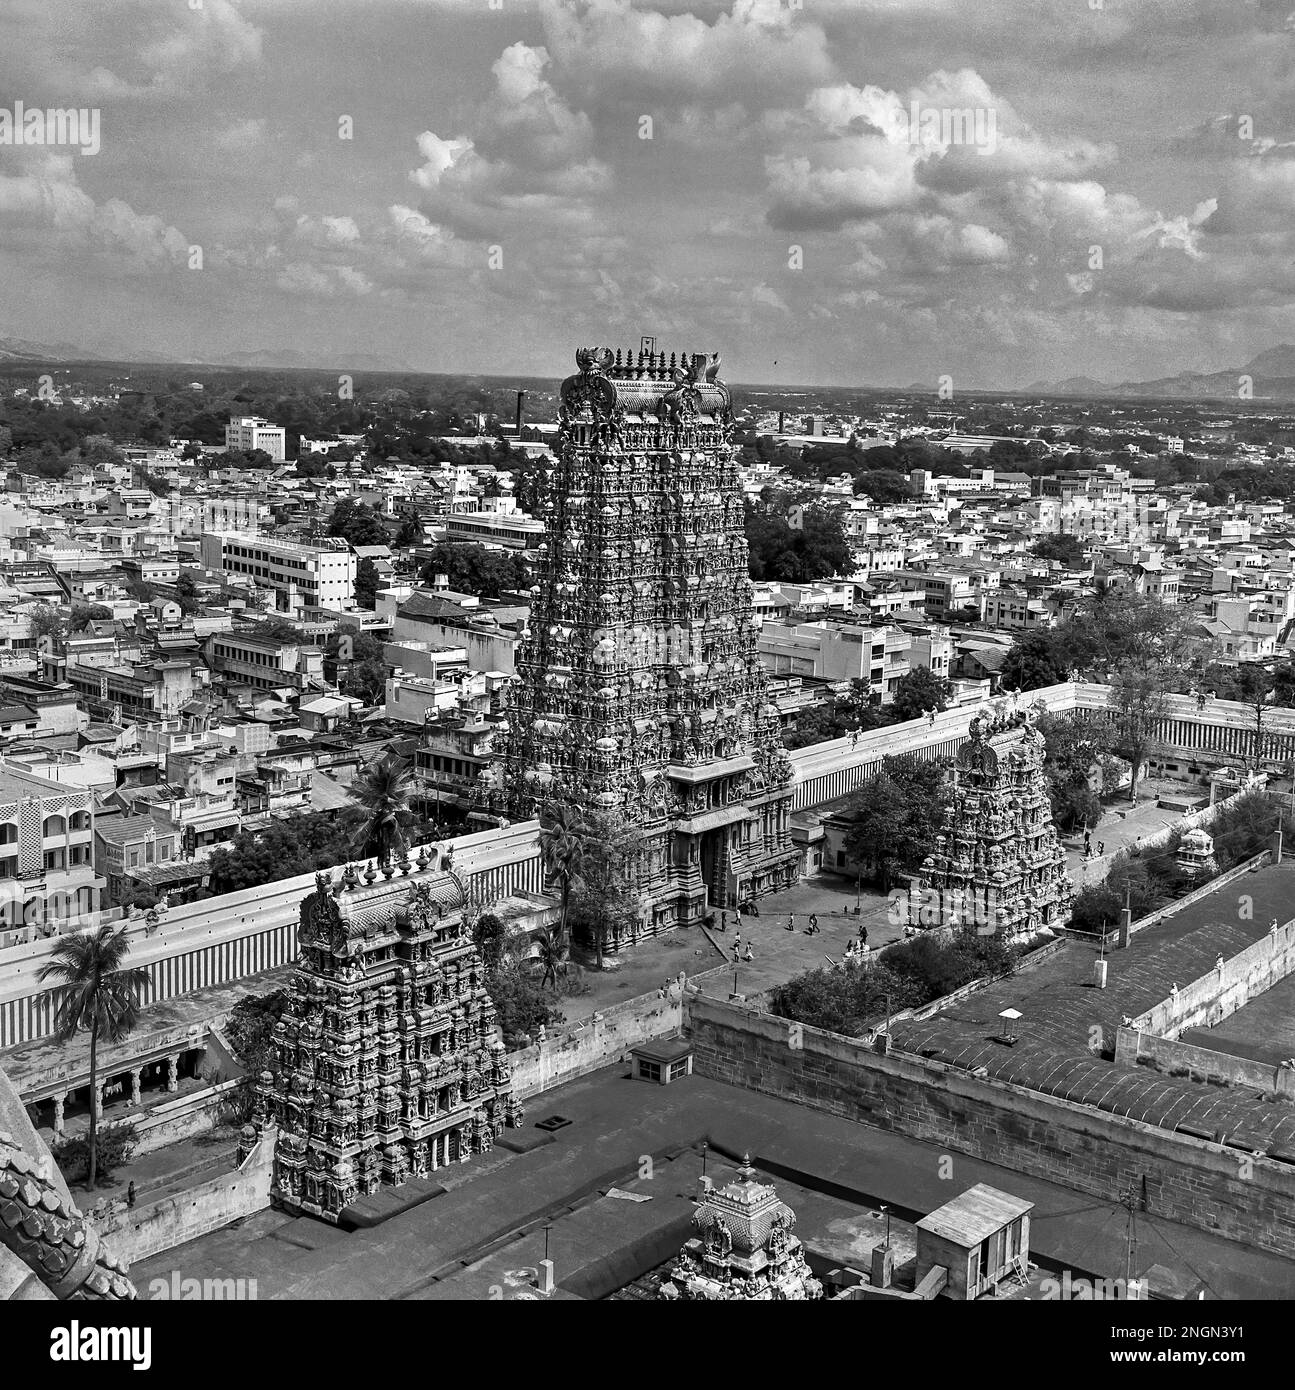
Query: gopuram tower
x: 997, y: 865
x: 640, y: 691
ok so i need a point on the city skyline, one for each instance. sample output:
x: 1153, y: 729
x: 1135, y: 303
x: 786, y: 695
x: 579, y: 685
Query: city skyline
x: 831, y: 194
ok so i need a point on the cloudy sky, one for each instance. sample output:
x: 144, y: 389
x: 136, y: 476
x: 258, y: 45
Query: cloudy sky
x: 523, y: 176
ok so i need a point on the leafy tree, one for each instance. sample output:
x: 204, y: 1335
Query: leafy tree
x: 937, y: 966
x: 489, y: 935
x: 357, y: 523
x: 364, y: 675
x: 817, y: 549
x: 476, y: 569
x: 1066, y: 549
x: 1138, y: 704
x: 845, y: 1001
x: 521, y: 1004
x: 98, y: 996
x: 604, y: 905
x: 410, y: 533
x: 283, y: 849
x: 250, y: 1032
x: 278, y: 630
x: 1256, y: 687
x: 366, y: 583
x: 51, y: 622
x: 895, y: 817
x: 1037, y: 658
x: 1073, y: 745
x: 884, y: 487
x: 918, y: 692
x: 187, y: 594
x: 383, y: 794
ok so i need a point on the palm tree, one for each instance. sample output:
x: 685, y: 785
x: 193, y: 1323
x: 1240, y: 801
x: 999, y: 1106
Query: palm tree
x: 549, y: 956
x: 383, y: 792
x: 562, y: 850
x: 100, y: 997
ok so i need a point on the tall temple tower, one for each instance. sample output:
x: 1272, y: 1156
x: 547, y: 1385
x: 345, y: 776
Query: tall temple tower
x: 389, y: 1063
x: 640, y: 691
x: 998, y: 865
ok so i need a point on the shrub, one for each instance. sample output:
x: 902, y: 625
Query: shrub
x: 250, y: 1031
x: 843, y: 1001
x: 937, y: 966
x: 115, y: 1145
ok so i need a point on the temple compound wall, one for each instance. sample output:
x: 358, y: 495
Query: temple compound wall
x: 390, y: 1063
x: 641, y: 692
x: 1185, y: 1179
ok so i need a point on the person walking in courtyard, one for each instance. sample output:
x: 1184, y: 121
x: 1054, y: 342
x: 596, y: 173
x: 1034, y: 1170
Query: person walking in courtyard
x: 750, y: 954
x: 863, y: 938
x: 791, y: 922
x: 813, y: 924
x: 1101, y: 848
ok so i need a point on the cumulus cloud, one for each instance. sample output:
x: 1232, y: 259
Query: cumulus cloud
x: 192, y: 46
x: 45, y: 209
x: 755, y: 51
x: 529, y: 157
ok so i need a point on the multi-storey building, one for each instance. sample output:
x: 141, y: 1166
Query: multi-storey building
x: 266, y: 663
x: 837, y: 653
x: 640, y: 691
x: 452, y: 754
x: 248, y: 432
x: 47, y: 873
x: 304, y: 576
x: 156, y: 688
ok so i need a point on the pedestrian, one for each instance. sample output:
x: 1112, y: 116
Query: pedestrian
x: 791, y: 922
x: 130, y: 1195
x: 863, y: 938
x: 723, y: 921
x: 750, y: 954
x: 737, y: 941
x: 813, y: 920
x: 1101, y: 848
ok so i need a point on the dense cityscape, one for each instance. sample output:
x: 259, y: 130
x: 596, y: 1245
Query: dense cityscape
x: 627, y: 830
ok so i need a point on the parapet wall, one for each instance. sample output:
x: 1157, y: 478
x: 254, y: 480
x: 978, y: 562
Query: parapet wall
x: 1230, y: 985
x: 1182, y: 1179
x: 581, y: 1048
x: 138, y: 1232
x: 1152, y: 1037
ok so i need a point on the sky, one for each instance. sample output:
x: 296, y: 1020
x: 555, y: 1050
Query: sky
x: 835, y: 192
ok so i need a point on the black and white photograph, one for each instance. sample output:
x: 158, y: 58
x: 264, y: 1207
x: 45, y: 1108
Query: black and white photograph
x: 647, y: 654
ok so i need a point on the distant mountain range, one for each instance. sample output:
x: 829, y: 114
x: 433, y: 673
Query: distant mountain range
x: 1272, y: 374
x: 23, y: 350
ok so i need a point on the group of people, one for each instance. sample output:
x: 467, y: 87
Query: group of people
x: 856, y: 949
x: 1088, y: 846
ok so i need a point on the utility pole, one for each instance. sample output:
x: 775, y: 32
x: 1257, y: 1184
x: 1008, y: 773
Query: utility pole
x: 1129, y: 1203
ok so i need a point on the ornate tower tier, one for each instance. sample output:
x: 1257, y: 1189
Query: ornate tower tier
x: 744, y: 1249
x: 389, y: 1062
x: 640, y: 690
x: 997, y: 864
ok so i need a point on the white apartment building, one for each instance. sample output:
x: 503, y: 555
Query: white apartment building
x: 249, y: 432
x: 305, y: 576
x: 823, y: 652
